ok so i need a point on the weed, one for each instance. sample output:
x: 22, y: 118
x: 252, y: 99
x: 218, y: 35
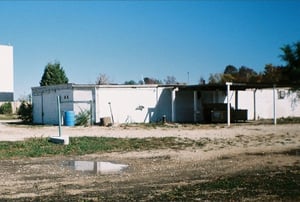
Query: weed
x: 38, y: 147
x: 83, y: 118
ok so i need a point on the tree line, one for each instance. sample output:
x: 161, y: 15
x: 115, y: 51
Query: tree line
x: 54, y: 74
x: 289, y: 73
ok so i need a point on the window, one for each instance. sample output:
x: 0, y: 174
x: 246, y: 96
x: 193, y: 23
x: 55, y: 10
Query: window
x: 281, y: 94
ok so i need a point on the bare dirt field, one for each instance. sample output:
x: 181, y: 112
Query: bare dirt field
x: 263, y: 160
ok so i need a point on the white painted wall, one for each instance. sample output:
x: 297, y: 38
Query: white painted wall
x: 246, y: 101
x: 138, y: 104
x: 288, y: 106
x: 84, y: 96
x: 285, y: 107
x: 130, y: 104
x: 163, y: 105
x: 6, y: 70
x: 44, y: 101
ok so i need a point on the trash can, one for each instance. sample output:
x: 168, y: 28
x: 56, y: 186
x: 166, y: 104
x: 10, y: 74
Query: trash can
x: 69, y: 118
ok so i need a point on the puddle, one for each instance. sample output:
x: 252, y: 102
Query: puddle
x: 96, y: 167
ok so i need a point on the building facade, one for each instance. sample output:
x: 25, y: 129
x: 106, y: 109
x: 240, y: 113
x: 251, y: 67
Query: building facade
x: 123, y: 103
x: 6, y: 73
x: 176, y: 103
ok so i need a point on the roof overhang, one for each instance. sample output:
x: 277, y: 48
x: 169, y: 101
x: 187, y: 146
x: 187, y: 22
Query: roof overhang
x: 236, y: 86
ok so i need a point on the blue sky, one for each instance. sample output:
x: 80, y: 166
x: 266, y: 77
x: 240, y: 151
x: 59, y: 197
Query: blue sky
x: 129, y: 39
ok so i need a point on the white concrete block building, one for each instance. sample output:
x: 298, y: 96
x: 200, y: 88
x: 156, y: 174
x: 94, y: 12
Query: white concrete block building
x: 260, y: 103
x: 6, y: 73
x: 123, y: 103
x: 149, y: 103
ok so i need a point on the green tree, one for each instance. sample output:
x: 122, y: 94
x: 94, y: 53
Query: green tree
x: 131, y: 82
x: 274, y: 74
x: 228, y: 78
x: 232, y: 74
x: 148, y: 80
x: 25, y: 112
x: 6, y: 108
x: 230, y: 69
x: 246, y: 74
x: 291, y: 55
x: 53, y: 74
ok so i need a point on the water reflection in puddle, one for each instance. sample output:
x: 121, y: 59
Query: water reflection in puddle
x: 97, y: 167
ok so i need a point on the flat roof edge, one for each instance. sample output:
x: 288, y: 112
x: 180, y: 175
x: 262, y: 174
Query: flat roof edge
x: 234, y: 86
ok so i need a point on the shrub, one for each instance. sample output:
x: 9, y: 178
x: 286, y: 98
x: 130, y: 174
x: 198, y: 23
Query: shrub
x: 25, y: 112
x: 6, y: 108
x: 83, y: 118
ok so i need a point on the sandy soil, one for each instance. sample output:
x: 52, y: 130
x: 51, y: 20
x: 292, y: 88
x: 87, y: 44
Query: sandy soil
x: 228, y: 150
x: 14, y: 132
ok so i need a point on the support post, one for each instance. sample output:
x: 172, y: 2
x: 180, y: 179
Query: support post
x: 254, y: 104
x: 91, y: 113
x: 274, y: 105
x: 236, y: 99
x: 59, y: 116
x: 195, y: 106
x: 59, y: 139
x: 228, y: 103
x: 173, y: 104
x: 111, y: 113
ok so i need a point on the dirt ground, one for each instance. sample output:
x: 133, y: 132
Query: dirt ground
x: 228, y: 151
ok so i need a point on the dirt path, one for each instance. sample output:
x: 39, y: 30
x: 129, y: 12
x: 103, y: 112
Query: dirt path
x: 15, y: 132
x: 150, y: 173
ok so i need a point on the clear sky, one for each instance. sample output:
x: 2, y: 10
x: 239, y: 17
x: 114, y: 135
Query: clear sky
x: 129, y: 39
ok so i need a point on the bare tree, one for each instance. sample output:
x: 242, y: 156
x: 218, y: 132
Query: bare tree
x: 215, y: 78
x: 102, y: 79
x: 201, y: 81
x: 170, y: 80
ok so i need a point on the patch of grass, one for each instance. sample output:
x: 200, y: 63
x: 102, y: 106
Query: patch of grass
x: 288, y: 120
x: 150, y: 125
x: 8, y: 116
x: 250, y: 185
x: 39, y: 147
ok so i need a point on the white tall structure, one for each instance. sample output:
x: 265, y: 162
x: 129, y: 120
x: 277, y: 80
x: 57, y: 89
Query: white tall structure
x: 6, y: 73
